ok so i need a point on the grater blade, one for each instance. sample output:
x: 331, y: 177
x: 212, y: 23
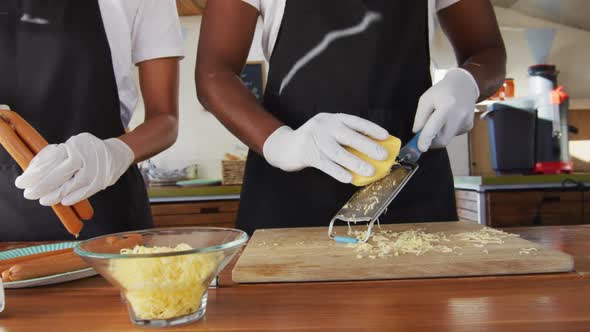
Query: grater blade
x: 370, y: 202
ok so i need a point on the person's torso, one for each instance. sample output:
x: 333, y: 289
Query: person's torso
x: 272, y: 13
x: 366, y: 58
x: 58, y: 56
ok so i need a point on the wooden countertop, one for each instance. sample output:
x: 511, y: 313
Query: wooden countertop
x: 511, y: 303
x: 580, y: 104
x: 193, y: 194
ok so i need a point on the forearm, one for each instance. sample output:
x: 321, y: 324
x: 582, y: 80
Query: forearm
x: 227, y: 31
x: 159, y: 81
x: 488, y: 67
x: 153, y: 136
x: 472, y: 29
x: 223, y: 94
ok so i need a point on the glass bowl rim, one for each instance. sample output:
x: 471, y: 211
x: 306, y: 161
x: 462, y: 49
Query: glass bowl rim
x: 235, y: 243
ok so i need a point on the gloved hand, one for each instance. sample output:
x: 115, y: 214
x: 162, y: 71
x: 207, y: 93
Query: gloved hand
x: 71, y: 172
x: 446, y: 109
x: 319, y: 143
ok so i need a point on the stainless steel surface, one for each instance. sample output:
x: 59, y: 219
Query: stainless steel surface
x: 370, y: 202
x: 493, y: 187
x: 1, y: 296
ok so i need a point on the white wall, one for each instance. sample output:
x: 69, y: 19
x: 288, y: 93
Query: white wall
x: 202, y: 139
x: 570, y: 52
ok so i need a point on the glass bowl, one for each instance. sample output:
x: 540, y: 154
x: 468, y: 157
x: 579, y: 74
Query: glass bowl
x: 165, y: 288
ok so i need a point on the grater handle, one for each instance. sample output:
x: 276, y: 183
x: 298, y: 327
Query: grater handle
x: 347, y: 239
x: 410, y: 151
x: 337, y: 238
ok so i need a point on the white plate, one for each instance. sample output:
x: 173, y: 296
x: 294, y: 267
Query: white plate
x: 49, y: 280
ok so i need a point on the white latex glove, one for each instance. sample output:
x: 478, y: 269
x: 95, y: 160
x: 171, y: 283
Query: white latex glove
x: 446, y: 109
x: 71, y: 172
x: 319, y: 143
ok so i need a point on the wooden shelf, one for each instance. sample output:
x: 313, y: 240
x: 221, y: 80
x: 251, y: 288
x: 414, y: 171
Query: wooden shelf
x: 210, y: 214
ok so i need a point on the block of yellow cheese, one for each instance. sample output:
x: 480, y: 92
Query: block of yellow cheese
x: 382, y: 168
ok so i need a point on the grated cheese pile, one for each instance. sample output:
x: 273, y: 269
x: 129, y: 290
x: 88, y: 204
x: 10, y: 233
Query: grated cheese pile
x: 389, y: 243
x: 164, y: 287
x: 418, y: 242
x: 484, y: 236
x: 527, y: 251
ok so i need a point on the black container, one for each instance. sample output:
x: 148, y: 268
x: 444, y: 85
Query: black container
x: 512, y: 138
x: 548, y: 72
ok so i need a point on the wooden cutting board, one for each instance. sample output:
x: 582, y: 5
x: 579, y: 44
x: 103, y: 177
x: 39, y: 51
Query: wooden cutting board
x: 307, y: 254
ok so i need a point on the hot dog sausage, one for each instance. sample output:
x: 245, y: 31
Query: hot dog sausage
x: 31, y: 137
x: 23, y: 156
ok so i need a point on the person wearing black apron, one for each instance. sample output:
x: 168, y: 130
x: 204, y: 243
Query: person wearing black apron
x: 58, y: 74
x: 371, y: 76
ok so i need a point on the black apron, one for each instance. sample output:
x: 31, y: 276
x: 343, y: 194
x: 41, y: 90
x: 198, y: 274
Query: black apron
x: 58, y: 75
x: 378, y: 75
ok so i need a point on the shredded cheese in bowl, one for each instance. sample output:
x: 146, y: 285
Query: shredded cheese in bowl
x: 164, y: 287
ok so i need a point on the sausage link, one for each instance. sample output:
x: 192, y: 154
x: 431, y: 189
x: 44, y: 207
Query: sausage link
x: 31, y: 137
x: 23, y: 156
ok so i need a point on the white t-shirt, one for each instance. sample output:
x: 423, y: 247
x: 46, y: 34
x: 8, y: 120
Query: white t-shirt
x: 139, y: 30
x: 272, y: 12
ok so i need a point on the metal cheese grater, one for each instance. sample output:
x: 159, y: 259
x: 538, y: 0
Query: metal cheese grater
x: 371, y: 201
